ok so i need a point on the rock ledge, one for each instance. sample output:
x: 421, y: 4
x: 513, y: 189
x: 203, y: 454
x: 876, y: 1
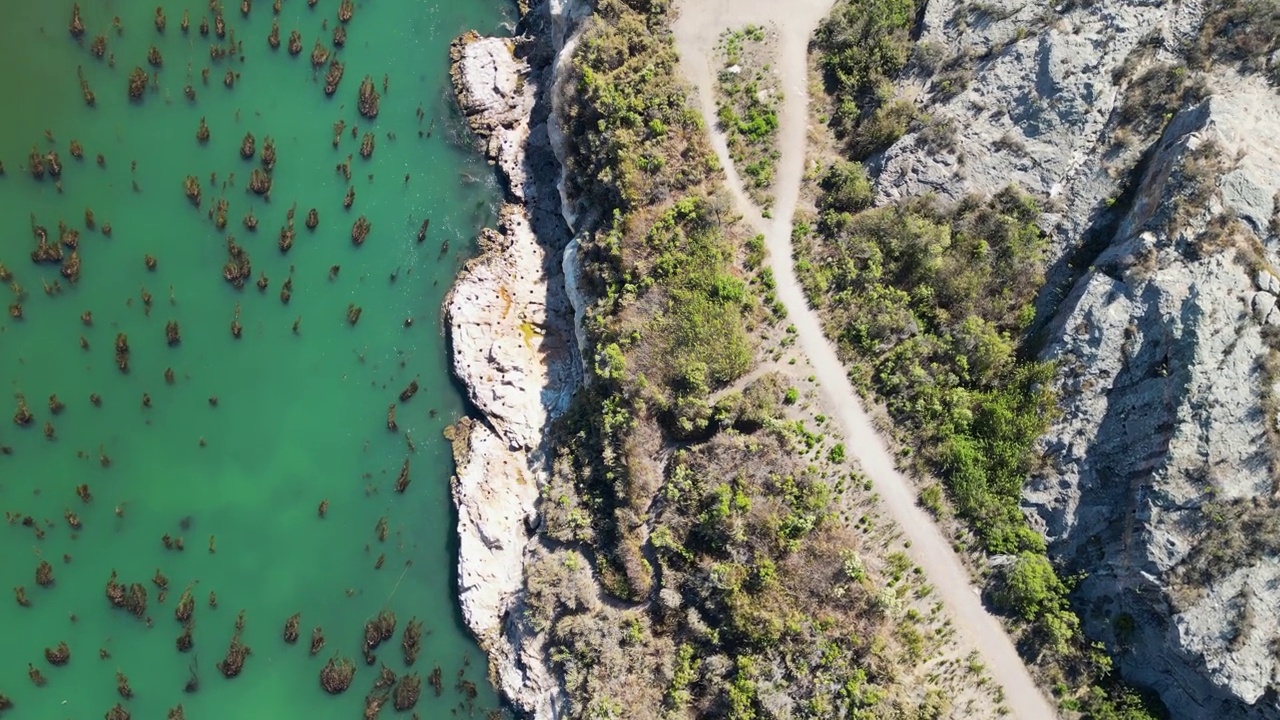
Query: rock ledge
x: 513, y: 347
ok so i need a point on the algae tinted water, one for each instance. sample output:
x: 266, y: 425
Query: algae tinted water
x: 300, y: 416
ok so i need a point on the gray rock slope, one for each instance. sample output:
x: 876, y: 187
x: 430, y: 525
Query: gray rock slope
x: 1159, y: 476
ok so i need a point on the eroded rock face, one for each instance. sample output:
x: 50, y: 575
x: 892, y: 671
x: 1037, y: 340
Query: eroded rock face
x: 1162, y: 450
x: 496, y: 494
x: 511, y: 331
x: 1159, y: 475
x: 507, y: 351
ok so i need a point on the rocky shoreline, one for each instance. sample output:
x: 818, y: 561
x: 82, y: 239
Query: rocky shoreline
x: 513, y: 345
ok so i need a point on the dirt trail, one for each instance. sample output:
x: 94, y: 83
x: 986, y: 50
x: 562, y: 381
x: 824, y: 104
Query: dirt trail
x: 697, y: 29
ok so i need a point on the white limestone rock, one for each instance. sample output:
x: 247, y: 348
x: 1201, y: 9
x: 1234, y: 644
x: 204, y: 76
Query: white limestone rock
x: 515, y: 364
x: 495, y: 95
x: 512, y: 344
x: 495, y: 494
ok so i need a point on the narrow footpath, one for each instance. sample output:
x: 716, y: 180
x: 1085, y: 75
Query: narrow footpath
x: 697, y: 28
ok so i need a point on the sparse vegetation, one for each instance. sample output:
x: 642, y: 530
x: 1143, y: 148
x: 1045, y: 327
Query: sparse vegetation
x: 1232, y: 533
x: 1241, y: 32
x: 1153, y: 96
x: 747, y: 102
x: 711, y: 511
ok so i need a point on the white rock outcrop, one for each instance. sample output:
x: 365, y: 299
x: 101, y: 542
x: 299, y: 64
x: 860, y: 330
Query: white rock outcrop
x: 497, y: 99
x: 496, y: 494
x: 507, y: 349
x: 513, y: 346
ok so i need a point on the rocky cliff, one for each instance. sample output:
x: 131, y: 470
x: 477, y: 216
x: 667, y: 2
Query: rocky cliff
x: 511, y: 332
x: 1159, y: 477
x: 1164, y: 426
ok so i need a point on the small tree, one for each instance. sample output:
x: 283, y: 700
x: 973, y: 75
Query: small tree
x: 1031, y: 587
x: 847, y: 188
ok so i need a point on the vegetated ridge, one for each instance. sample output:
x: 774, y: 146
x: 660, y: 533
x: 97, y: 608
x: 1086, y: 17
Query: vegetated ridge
x: 700, y: 546
x: 977, y: 628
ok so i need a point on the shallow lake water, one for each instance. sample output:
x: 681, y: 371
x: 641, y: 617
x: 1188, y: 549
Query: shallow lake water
x: 301, y: 412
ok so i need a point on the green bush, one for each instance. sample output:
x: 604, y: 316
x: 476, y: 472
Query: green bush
x: 864, y: 45
x: 931, y: 301
x: 705, y: 304
x: 845, y: 189
x: 931, y: 499
x: 1030, y: 587
x: 1121, y: 703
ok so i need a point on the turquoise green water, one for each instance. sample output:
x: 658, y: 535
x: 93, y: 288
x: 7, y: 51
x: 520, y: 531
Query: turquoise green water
x: 300, y: 417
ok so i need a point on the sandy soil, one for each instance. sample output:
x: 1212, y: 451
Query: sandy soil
x: 697, y: 28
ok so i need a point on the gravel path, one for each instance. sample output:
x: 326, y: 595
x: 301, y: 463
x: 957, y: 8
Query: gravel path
x: 697, y: 29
